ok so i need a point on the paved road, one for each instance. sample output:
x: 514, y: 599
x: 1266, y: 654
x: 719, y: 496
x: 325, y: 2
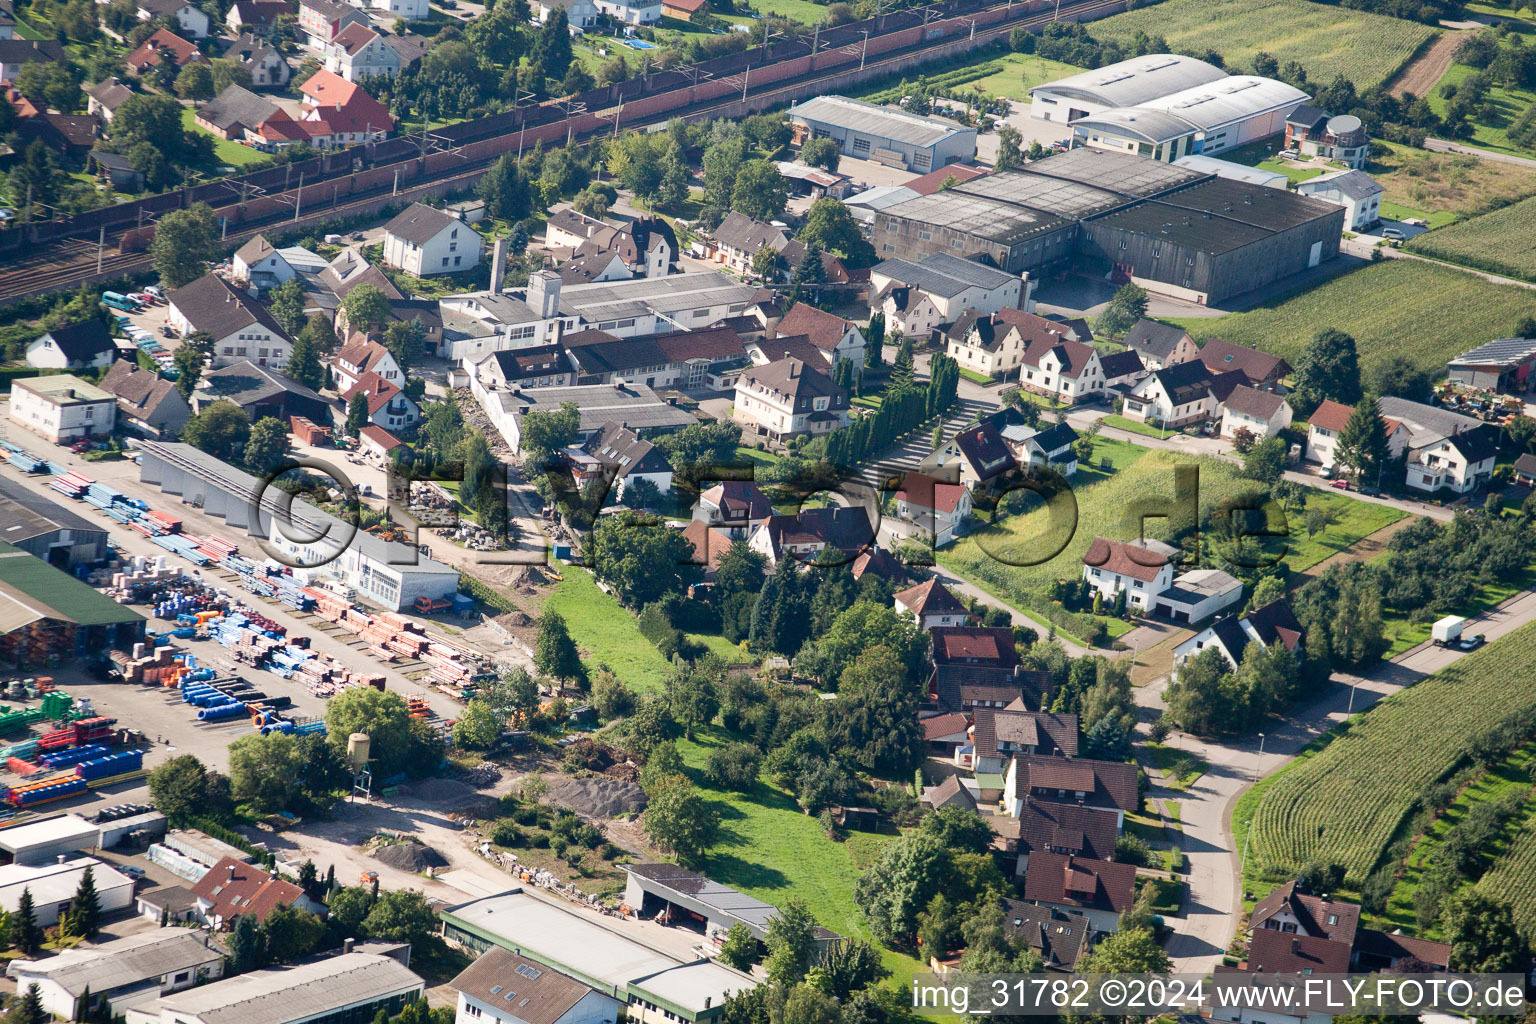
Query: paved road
x: 1447, y: 146
x: 1214, y: 904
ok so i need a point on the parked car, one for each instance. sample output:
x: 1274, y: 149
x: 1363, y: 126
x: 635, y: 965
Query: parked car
x: 1471, y: 643
x: 1340, y: 483
x: 1395, y: 234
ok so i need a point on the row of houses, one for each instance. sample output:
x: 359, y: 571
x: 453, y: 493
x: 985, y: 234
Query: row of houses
x: 335, y: 113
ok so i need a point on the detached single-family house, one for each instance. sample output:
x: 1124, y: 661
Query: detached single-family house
x: 835, y: 337
x: 423, y: 241
x: 1272, y: 624
x: 231, y: 890
x: 242, y: 328
x: 947, y: 286
x: 735, y: 506
x: 146, y: 402
x: 979, y: 453
x: 388, y: 406
x: 1160, y: 346
x: 544, y: 366
x: 937, y: 508
x: 1525, y: 470
x: 931, y: 604
x: 323, y: 20
x: 86, y: 345
x: 255, y: 15
x: 1261, y: 413
x: 846, y: 531
x: 1262, y: 369
x: 579, y: 14
x: 1099, y: 890
x: 788, y: 397
x: 105, y: 97
x: 1143, y: 571
x: 1000, y: 734
x: 1460, y: 463
x: 1110, y: 785
x: 1051, y: 365
x: 631, y: 12
x: 161, y: 42
x: 620, y: 455
x: 1067, y: 828
x: 1050, y: 448
x: 738, y: 239
x: 1061, y: 938
x: 361, y: 357
x: 263, y: 60
x: 984, y: 344
x: 1358, y: 192
x: 359, y: 50
x: 188, y: 18
x: 1181, y: 394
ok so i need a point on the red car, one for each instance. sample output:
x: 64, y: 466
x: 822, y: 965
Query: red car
x: 1340, y: 483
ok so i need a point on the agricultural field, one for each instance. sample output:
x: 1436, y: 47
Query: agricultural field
x: 1502, y: 242
x: 1344, y: 803
x: 1365, y: 48
x: 1392, y: 308
x: 1507, y: 105
x: 1445, y: 186
x: 1103, y: 498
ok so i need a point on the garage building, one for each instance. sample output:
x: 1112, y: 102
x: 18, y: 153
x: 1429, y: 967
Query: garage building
x: 390, y: 574
x: 1504, y: 365
x: 887, y: 135
x: 43, y: 842
x: 682, y: 896
x: 48, y: 530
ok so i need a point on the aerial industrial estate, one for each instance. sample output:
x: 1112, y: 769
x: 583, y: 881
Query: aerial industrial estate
x: 757, y: 511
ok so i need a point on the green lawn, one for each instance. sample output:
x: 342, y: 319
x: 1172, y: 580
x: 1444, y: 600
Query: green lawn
x: 977, y: 378
x: 771, y: 850
x: 1436, y: 219
x: 1392, y: 308
x: 754, y: 457
x: 1121, y: 423
x: 1507, y: 104
x: 1022, y: 72
x: 1349, y: 521
x: 802, y: 11
x: 992, y: 69
x: 224, y: 150
x: 1328, y: 40
x: 1179, y: 767
x: 606, y: 632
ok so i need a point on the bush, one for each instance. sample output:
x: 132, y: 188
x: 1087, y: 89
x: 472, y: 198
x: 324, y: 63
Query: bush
x: 1132, y: 849
x: 734, y: 766
x: 506, y: 833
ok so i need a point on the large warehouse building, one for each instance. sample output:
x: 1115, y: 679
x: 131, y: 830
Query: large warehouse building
x: 388, y: 573
x: 1170, y: 229
x: 1129, y: 83
x: 887, y: 135
x: 45, y: 528
x: 47, y: 616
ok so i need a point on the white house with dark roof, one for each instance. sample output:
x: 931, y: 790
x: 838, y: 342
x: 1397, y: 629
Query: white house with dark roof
x: 948, y: 284
x: 1274, y: 623
x: 617, y: 453
x: 1052, y: 365
x: 86, y: 345
x: 241, y: 327
x: 788, y: 397
x: 1160, y: 346
x: 1358, y: 192
x: 423, y: 241
x: 930, y: 604
x: 112, y: 974
x: 103, y: 99
x: 805, y: 535
x: 1143, y: 571
x: 1262, y: 413
x: 1050, y: 448
x: 263, y: 60
x: 937, y: 508
x: 735, y: 506
x: 359, y: 50
x: 188, y: 18
x: 974, y: 457
x: 547, y: 366
x: 738, y: 239
x: 1446, y: 450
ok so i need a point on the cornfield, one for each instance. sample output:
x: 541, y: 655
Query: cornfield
x: 1513, y: 876
x: 1502, y: 242
x: 1343, y: 804
x: 1328, y: 41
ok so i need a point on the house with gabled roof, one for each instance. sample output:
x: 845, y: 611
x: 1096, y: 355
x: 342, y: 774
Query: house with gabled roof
x: 188, y: 18
x: 362, y: 356
x: 805, y: 535
x: 231, y: 890
x: 263, y: 60
x: 501, y: 985
x: 323, y: 20
x: 1060, y: 937
x: 1261, y: 413
x: 1072, y: 829
x: 388, y: 406
x: 710, y: 543
x: 735, y: 506
x: 622, y: 456
x: 543, y: 366
x: 984, y: 343
x: 261, y: 392
x: 160, y: 42
x: 1262, y: 369
x: 1081, y: 780
x: 947, y: 285
x: 235, y: 112
x: 1050, y: 448
x: 336, y: 112
x: 879, y: 563
x: 103, y: 99
x: 242, y: 328
x: 997, y: 734
x: 1099, y: 890
x: 359, y: 50
x: 931, y: 604
x: 974, y: 457
x: 85, y: 345
x: 146, y: 402
x: 937, y: 507
x: 788, y: 397
x: 255, y: 15
x: 1274, y: 623
x: 1445, y: 450
x: 1181, y: 394
x: 1051, y: 365
x: 945, y: 732
x: 952, y: 792
x: 1159, y: 345
x: 835, y: 337
x: 422, y: 241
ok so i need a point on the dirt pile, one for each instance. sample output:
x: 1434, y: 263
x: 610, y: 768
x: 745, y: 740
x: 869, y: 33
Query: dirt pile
x: 412, y: 856
x: 601, y: 797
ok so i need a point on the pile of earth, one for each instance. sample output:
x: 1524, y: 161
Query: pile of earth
x: 409, y: 856
x: 599, y: 797
x: 437, y: 791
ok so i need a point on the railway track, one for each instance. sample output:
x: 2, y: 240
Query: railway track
x: 73, y: 261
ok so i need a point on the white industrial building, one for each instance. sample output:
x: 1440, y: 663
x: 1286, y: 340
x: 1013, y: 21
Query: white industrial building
x: 387, y: 573
x: 62, y: 408
x: 349, y: 987
x: 1209, y: 118
x: 887, y: 135
x: 53, y: 885
x: 629, y: 405
x: 44, y: 842
x: 1233, y: 171
x: 116, y: 974
x: 1128, y: 83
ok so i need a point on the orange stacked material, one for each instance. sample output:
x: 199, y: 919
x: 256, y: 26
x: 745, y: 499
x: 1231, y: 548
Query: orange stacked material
x: 417, y: 707
x: 168, y: 522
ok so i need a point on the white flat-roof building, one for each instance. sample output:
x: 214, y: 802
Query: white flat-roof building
x: 654, y: 305
x: 887, y: 135
x: 1125, y: 84
x: 43, y: 842
x: 1233, y: 171
x: 62, y: 408
x: 120, y: 973
x: 349, y: 987
x: 53, y: 885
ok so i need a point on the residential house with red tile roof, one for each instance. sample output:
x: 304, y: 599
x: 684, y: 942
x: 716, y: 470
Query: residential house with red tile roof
x: 1099, y: 890
x: 231, y: 890
x: 735, y: 506
x: 361, y: 356
x: 998, y: 734
x: 161, y: 41
x: 388, y: 406
x: 834, y: 336
x: 1262, y: 369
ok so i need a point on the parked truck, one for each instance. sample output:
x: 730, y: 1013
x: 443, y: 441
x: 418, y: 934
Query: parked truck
x: 1447, y: 631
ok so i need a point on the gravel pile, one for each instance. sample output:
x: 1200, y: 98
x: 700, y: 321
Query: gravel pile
x: 596, y: 797
x: 437, y: 791
x: 413, y: 857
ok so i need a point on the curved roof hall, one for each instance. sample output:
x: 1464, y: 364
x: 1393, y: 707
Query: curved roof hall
x: 1135, y: 81
x: 1140, y: 122
x: 1232, y: 99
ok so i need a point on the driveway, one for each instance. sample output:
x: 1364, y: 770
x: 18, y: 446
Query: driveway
x: 1214, y: 905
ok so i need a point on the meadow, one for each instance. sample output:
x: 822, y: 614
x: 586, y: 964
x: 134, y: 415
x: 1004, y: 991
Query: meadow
x: 1502, y: 242
x: 1327, y: 40
x: 1442, y: 187
x: 1104, y: 499
x: 605, y: 632
x: 1422, y: 312
x: 1505, y: 105
x: 1344, y: 803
